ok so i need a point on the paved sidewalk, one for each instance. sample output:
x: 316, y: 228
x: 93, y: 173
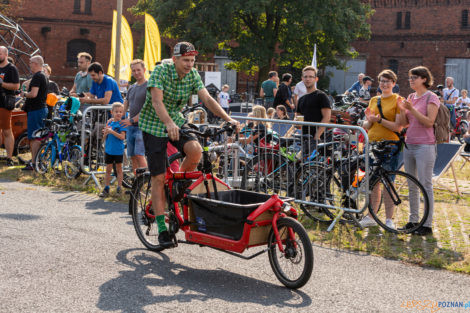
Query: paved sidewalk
x: 73, y: 252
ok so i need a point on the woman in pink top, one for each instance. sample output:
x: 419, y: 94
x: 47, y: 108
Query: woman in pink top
x: 418, y: 113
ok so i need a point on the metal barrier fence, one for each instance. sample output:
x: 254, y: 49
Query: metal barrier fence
x: 92, y: 162
x: 282, y: 157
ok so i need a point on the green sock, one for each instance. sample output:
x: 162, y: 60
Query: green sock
x: 161, y: 223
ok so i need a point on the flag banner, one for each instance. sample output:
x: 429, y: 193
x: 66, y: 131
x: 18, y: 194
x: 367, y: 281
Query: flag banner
x: 314, y: 59
x: 127, y: 49
x: 153, y: 51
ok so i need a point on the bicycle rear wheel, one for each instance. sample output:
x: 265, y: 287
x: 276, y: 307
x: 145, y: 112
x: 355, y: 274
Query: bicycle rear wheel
x: 463, y: 128
x: 44, y: 158
x: 400, y: 191
x: 268, y: 173
x: 314, y: 184
x: 294, y: 266
x: 144, y: 224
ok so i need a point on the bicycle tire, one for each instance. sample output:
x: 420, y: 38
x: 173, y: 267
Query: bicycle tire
x: 402, y: 213
x: 312, y: 184
x: 463, y: 128
x: 43, y: 158
x: 269, y: 173
x: 72, y: 166
x: 177, y: 156
x: 21, y: 147
x: 145, y: 227
x: 299, y: 255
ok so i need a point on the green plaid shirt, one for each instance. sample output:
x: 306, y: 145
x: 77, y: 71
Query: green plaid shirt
x: 176, y: 93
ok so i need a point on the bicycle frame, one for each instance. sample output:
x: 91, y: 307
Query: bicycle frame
x: 274, y: 205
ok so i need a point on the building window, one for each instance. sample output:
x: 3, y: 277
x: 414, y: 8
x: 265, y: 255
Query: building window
x: 464, y: 18
x: 75, y: 46
x: 399, y: 18
x: 404, y: 20
x: 393, y: 65
x: 82, y: 7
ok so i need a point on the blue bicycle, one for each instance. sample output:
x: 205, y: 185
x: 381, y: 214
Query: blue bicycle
x: 61, y: 151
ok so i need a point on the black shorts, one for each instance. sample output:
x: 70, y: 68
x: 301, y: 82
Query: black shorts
x: 110, y: 159
x: 155, y: 150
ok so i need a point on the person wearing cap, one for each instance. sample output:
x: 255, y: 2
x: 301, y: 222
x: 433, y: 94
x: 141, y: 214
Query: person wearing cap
x: 364, y: 92
x: 169, y: 89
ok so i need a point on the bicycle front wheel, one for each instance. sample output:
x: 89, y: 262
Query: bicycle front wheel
x: 400, y: 196
x: 293, y: 267
x: 72, y: 166
x: 144, y: 223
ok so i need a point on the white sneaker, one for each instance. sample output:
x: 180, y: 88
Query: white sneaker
x: 389, y: 223
x: 368, y: 221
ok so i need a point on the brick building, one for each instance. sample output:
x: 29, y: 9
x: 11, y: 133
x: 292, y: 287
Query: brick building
x: 408, y: 33
x: 61, y: 29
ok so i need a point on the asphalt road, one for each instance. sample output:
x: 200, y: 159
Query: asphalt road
x: 73, y: 252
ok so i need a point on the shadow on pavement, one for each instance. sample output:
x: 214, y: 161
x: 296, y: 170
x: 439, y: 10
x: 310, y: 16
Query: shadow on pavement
x: 20, y: 217
x: 151, y: 275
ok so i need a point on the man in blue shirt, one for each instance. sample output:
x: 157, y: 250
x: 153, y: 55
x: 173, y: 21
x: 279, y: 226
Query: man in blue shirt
x: 104, y: 90
x: 357, y: 85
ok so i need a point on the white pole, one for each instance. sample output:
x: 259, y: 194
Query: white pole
x: 117, y: 55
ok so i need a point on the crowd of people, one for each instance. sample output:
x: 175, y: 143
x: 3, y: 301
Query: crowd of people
x: 154, y: 118
x: 386, y: 116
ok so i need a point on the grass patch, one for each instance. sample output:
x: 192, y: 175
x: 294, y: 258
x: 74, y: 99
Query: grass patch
x: 58, y: 181
x: 448, y: 248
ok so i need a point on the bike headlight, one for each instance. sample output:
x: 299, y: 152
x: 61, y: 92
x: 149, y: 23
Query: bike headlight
x: 289, y: 210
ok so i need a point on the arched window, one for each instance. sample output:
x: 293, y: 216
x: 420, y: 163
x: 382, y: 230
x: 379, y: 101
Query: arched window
x: 76, y: 46
x: 393, y: 65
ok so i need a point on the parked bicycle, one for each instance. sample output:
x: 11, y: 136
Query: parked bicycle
x: 461, y: 125
x: 61, y: 149
x: 399, y: 190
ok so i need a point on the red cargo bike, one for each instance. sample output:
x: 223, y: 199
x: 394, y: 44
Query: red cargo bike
x: 212, y: 215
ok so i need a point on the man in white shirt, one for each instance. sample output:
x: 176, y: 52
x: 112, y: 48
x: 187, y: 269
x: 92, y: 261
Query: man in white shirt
x: 450, y: 96
x: 299, y: 91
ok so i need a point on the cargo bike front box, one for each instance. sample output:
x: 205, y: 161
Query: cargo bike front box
x: 238, y: 216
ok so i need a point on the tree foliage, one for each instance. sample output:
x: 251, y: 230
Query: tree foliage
x: 7, y: 8
x: 257, y: 32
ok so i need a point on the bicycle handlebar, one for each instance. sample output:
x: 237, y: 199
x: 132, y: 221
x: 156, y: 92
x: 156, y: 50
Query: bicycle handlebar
x: 383, y: 146
x: 209, y: 131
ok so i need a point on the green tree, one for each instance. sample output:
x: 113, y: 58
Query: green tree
x: 258, y: 33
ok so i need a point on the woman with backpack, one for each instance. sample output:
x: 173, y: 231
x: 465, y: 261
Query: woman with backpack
x: 419, y: 113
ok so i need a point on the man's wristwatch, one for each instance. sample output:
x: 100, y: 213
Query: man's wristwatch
x: 131, y: 120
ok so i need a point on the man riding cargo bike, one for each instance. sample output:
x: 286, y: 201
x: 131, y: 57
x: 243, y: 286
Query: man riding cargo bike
x: 169, y: 89
x: 197, y: 202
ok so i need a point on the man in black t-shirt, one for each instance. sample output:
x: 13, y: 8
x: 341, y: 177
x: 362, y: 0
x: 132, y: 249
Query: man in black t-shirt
x: 314, y: 106
x: 35, y: 105
x: 284, y: 94
x: 9, y: 82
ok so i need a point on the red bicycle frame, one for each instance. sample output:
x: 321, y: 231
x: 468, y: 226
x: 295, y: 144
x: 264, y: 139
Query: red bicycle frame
x: 273, y: 205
